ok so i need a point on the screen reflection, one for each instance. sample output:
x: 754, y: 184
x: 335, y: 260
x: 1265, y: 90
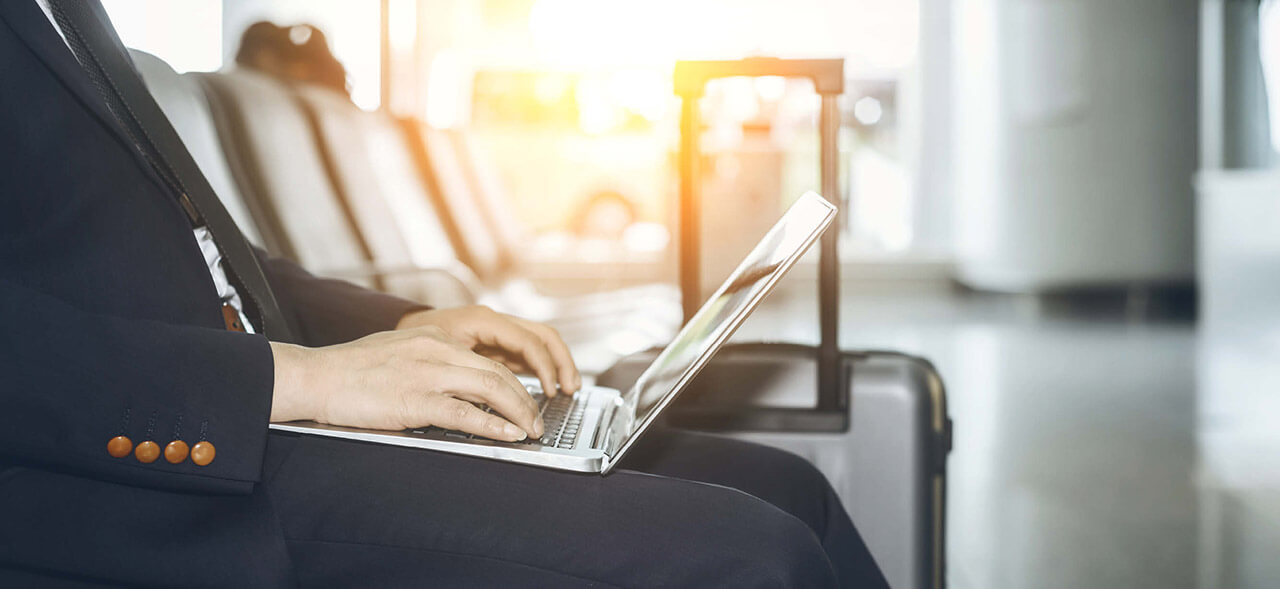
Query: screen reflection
x: 784, y: 243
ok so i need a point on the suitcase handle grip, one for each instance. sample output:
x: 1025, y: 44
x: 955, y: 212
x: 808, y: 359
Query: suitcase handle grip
x: 691, y: 77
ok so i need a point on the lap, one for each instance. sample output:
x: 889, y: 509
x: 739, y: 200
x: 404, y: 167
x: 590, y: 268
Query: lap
x: 776, y: 476
x: 468, y: 521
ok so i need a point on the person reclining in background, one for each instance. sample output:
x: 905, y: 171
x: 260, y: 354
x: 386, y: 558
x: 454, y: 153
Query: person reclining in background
x: 147, y: 346
x: 297, y: 53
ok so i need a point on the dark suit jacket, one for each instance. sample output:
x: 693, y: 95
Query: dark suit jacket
x: 112, y: 326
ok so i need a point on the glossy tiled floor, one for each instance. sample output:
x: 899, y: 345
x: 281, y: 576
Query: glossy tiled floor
x: 1079, y: 438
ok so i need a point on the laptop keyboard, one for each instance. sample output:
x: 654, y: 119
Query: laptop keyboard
x: 561, y: 421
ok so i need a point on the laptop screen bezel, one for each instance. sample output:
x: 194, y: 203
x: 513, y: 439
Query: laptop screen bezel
x: 734, y: 321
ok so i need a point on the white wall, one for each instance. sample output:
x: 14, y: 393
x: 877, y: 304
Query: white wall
x: 187, y: 35
x: 1075, y: 142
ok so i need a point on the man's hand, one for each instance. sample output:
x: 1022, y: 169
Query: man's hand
x: 519, y: 344
x: 409, y: 378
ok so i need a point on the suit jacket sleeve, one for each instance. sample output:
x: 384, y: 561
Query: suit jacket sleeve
x: 324, y: 311
x: 73, y: 380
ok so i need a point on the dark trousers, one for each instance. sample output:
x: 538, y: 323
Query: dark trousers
x: 685, y: 510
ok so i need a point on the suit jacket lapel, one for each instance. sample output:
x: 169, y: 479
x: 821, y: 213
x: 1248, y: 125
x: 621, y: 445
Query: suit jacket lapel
x: 30, y: 25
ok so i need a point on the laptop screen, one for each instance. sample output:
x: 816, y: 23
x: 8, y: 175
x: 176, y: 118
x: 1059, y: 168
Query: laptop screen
x: 725, y: 310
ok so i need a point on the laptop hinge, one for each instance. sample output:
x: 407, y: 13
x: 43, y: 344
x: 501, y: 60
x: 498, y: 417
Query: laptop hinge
x: 621, y: 420
x: 601, y: 438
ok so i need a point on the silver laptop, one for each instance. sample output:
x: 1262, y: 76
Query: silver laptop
x: 592, y: 430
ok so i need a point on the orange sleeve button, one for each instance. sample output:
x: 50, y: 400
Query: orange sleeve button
x: 176, y: 451
x: 119, y: 447
x: 202, y: 453
x: 147, y: 452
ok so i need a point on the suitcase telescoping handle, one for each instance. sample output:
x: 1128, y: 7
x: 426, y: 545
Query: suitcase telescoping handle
x: 691, y: 78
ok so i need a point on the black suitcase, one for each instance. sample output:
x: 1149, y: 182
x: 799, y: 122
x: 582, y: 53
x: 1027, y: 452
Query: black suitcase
x: 878, y: 424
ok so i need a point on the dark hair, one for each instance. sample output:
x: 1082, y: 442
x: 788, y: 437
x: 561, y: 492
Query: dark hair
x: 272, y: 49
x: 261, y: 37
x: 325, y: 69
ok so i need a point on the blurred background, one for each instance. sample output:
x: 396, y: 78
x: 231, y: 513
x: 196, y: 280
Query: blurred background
x: 1070, y: 206
x: 572, y: 103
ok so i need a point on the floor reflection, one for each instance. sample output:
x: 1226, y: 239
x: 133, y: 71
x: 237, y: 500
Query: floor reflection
x: 1079, y: 438
x: 1239, y: 442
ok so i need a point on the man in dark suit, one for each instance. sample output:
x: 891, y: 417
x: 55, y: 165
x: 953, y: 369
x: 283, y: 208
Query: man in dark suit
x: 146, y: 347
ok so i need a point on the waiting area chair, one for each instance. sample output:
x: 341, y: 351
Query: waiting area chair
x: 342, y: 191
